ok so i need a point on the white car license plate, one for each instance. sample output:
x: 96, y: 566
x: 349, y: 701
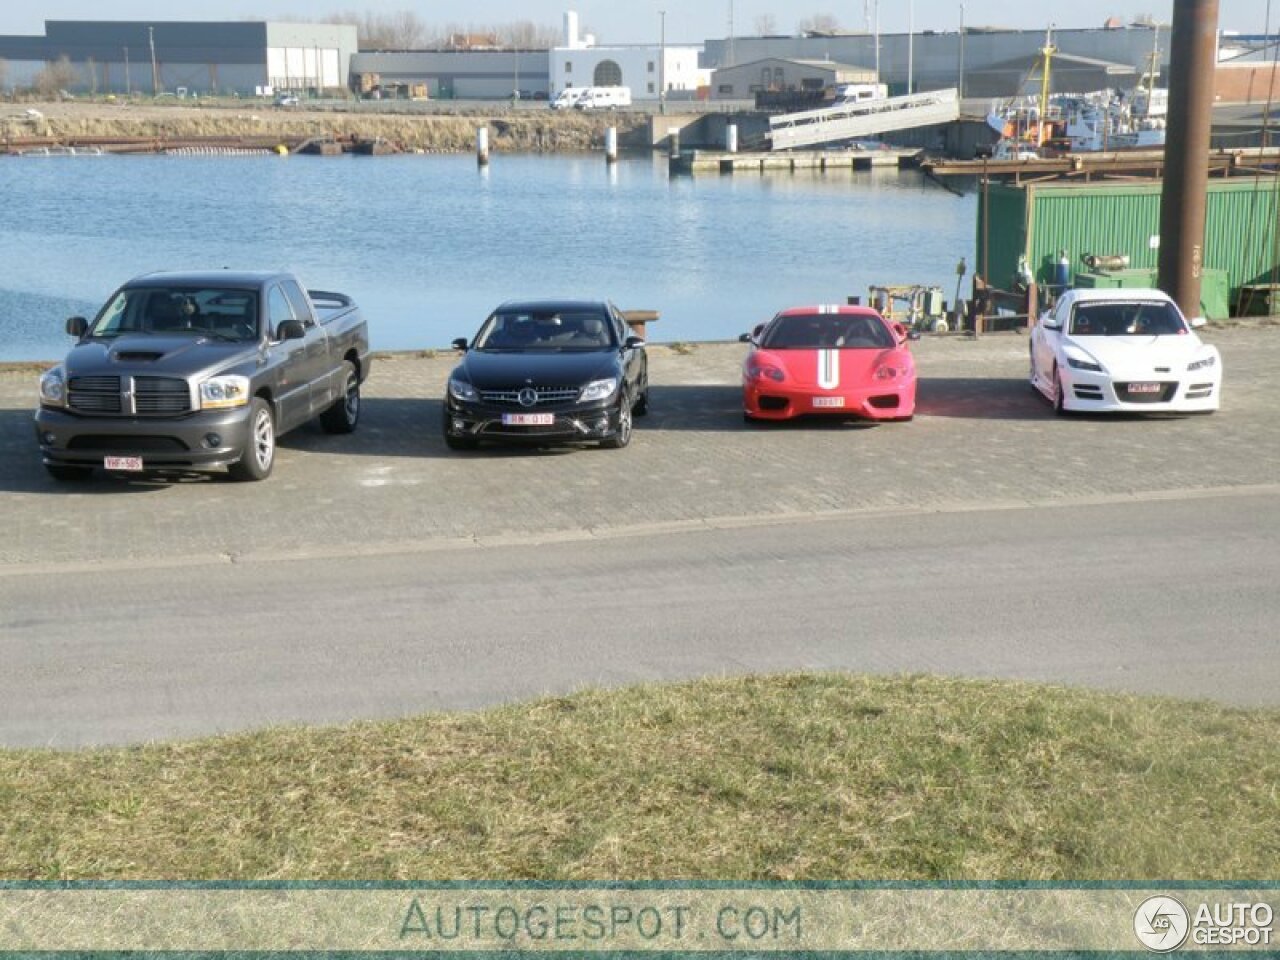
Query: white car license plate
x: 828, y: 401
x: 528, y: 419
x: 1144, y: 388
x: 121, y: 463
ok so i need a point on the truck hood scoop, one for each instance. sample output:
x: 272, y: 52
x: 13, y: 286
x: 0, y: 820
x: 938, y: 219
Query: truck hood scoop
x: 137, y: 356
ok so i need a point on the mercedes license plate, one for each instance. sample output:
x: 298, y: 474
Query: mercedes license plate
x: 528, y: 419
x: 122, y: 463
x: 1144, y: 388
x: 828, y: 401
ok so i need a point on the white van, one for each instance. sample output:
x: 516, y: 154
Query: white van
x: 603, y: 98
x: 568, y: 98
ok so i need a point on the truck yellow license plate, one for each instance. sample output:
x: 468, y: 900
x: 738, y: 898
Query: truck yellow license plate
x: 122, y: 463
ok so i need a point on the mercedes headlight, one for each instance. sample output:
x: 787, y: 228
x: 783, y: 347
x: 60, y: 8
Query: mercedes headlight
x: 222, y: 393
x: 598, y: 390
x: 53, y: 387
x: 461, y: 390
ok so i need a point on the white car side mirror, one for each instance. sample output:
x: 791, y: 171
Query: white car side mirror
x: 1198, y: 322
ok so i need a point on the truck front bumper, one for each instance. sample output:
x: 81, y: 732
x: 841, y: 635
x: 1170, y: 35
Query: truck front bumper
x: 200, y: 441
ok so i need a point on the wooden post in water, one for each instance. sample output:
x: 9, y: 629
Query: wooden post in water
x: 731, y: 138
x: 611, y: 145
x: 482, y: 146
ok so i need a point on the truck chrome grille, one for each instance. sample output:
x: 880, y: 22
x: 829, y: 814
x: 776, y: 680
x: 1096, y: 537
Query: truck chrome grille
x: 546, y: 395
x: 161, y: 395
x: 94, y: 394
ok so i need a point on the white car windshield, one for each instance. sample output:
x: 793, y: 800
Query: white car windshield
x: 1126, y: 319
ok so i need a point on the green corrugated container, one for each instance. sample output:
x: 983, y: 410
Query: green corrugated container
x: 1118, y: 280
x: 1038, y: 220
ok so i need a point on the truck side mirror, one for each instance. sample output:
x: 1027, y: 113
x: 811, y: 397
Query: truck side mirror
x: 461, y: 344
x: 77, y: 327
x: 291, y: 330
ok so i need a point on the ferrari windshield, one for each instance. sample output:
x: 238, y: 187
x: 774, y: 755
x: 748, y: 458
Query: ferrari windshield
x: 1136, y: 318
x: 827, y: 331
x: 219, y: 313
x: 552, y: 331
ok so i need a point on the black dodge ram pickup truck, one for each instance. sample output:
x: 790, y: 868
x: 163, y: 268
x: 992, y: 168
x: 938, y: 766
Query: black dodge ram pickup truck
x: 199, y: 371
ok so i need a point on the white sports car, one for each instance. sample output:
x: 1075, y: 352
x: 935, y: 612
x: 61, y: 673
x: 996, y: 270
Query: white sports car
x: 1123, y: 350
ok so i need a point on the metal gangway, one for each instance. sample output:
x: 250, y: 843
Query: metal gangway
x: 857, y: 121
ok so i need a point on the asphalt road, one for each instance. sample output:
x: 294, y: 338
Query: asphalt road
x: 1156, y: 593
x: 379, y: 574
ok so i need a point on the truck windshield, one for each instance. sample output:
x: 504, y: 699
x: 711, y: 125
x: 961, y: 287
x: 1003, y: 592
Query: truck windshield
x: 215, y: 312
x: 524, y: 332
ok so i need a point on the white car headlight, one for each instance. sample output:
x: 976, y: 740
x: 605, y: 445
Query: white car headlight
x: 222, y: 393
x: 53, y: 387
x: 461, y: 390
x: 598, y: 390
x: 1077, y: 359
x: 1203, y: 363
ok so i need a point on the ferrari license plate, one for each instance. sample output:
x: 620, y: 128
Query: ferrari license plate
x: 528, y: 419
x: 122, y: 463
x: 828, y: 402
x: 1144, y: 388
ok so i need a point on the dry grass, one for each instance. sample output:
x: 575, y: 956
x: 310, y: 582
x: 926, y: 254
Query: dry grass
x: 523, y: 131
x: 783, y: 778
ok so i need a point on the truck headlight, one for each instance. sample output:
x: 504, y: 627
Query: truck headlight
x: 53, y: 387
x: 598, y: 390
x: 221, y: 393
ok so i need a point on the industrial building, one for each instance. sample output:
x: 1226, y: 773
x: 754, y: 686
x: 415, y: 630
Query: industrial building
x: 976, y: 61
x: 744, y: 80
x: 455, y: 74
x: 153, y: 57
x: 652, y: 71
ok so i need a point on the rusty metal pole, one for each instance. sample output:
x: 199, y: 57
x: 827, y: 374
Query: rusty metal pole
x: 1193, y: 58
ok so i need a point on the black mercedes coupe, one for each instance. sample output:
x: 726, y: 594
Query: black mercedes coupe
x: 548, y: 371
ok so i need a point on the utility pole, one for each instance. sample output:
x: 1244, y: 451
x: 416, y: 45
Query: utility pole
x: 731, y: 58
x: 662, y: 61
x: 877, y: 41
x: 960, y: 84
x: 910, y: 46
x: 155, y: 73
x: 128, y: 83
x: 1193, y: 52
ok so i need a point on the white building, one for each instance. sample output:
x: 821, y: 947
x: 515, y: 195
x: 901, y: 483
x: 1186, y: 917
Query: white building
x: 646, y: 69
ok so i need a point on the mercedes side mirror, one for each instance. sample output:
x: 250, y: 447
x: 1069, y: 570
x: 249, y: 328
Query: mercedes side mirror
x: 461, y: 344
x: 77, y: 327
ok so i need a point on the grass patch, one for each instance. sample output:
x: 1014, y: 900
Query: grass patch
x: 775, y: 778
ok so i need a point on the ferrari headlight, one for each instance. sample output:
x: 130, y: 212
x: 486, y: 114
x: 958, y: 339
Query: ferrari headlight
x: 222, y: 393
x: 1204, y: 363
x: 760, y: 371
x: 461, y: 390
x: 53, y: 387
x: 889, y: 373
x: 598, y: 390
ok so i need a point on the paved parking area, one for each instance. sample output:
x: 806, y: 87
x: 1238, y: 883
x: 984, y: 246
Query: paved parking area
x: 981, y: 437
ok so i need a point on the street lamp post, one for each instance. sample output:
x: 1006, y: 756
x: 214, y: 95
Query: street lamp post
x: 911, y: 47
x: 128, y: 83
x: 960, y: 85
x: 155, y: 73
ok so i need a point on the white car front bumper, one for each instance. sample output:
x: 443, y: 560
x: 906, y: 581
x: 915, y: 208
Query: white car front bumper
x: 1190, y: 392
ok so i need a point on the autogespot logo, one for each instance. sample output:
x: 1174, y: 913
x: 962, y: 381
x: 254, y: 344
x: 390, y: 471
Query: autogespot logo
x: 1161, y: 924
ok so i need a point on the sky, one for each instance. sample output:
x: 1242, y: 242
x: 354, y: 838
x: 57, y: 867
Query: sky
x: 638, y: 21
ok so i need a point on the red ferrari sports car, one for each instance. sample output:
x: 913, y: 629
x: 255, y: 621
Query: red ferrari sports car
x: 846, y: 361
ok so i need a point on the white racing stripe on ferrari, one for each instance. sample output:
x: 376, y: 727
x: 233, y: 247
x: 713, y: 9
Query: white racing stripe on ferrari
x: 828, y: 369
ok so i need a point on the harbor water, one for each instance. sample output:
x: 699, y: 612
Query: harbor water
x: 428, y: 245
